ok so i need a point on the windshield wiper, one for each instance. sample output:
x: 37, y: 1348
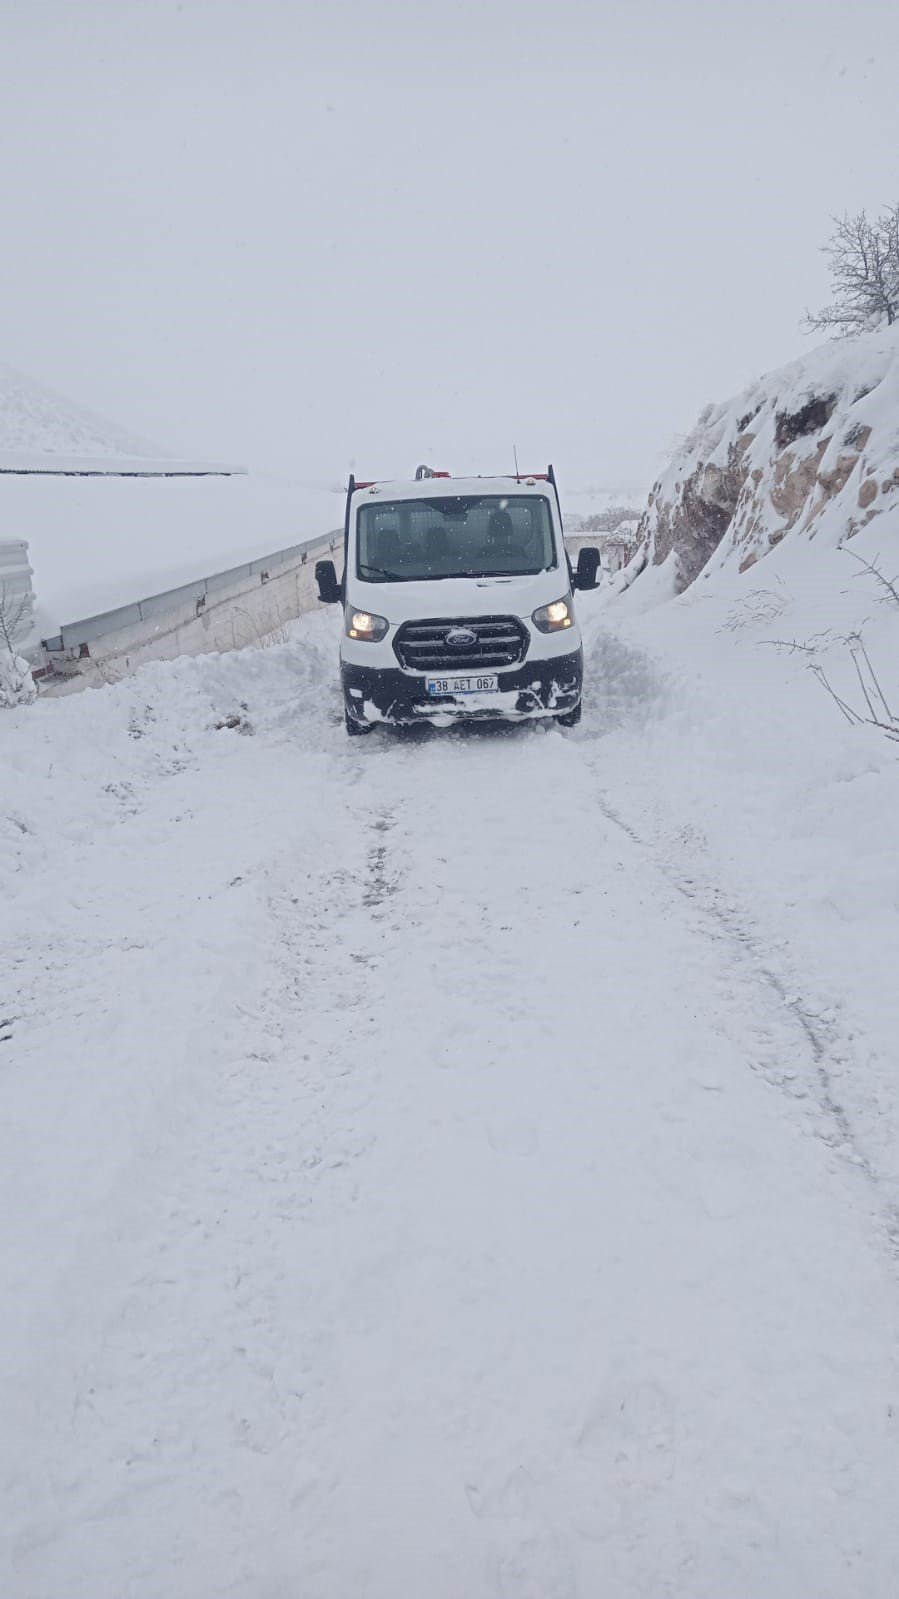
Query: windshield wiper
x: 366, y: 569
x: 379, y: 571
x: 505, y: 576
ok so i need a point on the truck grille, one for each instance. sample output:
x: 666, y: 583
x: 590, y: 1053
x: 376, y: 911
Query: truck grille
x: 498, y: 641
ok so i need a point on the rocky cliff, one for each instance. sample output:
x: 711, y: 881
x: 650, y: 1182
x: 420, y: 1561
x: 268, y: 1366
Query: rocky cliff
x: 810, y: 451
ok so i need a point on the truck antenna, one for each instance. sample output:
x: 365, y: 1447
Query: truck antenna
x: 517, y: 473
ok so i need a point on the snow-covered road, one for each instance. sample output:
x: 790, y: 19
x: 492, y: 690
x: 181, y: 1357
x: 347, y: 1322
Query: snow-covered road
x: 416, y: 1184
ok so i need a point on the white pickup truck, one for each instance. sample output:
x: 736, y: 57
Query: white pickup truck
x: 457, y: 600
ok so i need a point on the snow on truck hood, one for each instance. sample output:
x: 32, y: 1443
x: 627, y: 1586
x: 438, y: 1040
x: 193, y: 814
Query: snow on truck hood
x: 460, y: 596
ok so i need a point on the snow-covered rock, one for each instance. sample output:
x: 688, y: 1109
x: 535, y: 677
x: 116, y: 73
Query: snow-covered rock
x: 809, y: 451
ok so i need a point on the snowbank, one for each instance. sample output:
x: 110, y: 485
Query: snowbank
x: 810, y: 451
x: 114, y: 742
x: 723, y: 747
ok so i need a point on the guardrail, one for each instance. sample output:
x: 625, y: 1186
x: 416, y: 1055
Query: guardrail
x: 73, y: 635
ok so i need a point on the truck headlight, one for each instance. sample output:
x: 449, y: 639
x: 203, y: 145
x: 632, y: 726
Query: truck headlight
x: 362, y: 625
x: 554, y: 618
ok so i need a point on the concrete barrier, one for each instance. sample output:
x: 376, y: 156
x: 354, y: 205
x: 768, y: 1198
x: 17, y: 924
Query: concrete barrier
x: 226, y: 611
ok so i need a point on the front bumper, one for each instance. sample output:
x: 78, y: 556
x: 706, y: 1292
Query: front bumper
x: 538, y: 688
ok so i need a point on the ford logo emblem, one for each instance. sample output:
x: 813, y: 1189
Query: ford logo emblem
x: 461, y: 638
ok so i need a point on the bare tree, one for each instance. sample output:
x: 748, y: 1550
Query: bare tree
x: 12, y: 615
x: 608, y: 520
x: 16, y: 683
x: 876, y: 711
x: 872, y: 709
x: 864, y: 267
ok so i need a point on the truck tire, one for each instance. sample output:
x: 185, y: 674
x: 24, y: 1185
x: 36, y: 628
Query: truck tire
x: 570, y: 718
x: 355, y: 729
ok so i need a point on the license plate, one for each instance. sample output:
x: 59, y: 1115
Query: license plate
x: 483, y: 684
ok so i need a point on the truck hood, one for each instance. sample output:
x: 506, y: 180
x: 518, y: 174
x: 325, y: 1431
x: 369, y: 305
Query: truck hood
x: 459, y: 596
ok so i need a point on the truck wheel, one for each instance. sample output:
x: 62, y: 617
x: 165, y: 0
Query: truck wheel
x: 570, y: 718
x: 355, y: 729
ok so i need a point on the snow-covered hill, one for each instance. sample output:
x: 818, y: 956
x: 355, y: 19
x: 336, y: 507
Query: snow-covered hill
x: 810, y: 452
x: 35, y: 421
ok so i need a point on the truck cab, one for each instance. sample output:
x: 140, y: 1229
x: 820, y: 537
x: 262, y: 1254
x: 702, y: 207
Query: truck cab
x: 457, y: 597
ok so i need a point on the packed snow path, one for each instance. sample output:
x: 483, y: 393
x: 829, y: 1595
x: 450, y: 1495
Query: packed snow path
x: 413, y: 1188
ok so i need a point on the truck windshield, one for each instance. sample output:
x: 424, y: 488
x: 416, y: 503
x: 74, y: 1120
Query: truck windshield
x: 484, y: 535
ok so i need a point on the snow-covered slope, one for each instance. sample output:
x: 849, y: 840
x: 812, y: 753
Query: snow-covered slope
x: 35, y: 421
x: 457, y: 1166
x: 811, y: 451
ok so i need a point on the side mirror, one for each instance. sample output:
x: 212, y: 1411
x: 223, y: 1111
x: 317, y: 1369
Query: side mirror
x: 587, y: 568
x: 330, y: 592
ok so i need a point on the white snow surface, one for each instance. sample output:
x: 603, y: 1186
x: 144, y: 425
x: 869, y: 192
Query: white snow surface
x: 464, y: 1164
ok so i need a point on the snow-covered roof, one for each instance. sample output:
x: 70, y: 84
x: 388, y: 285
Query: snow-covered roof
x: 25, y: 465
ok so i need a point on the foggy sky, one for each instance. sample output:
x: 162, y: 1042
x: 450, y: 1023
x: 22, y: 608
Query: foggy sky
x: 313, y: 236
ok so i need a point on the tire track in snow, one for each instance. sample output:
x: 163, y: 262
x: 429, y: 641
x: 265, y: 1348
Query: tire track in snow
x: 538, y: 1504
x: 211, y: 1330
x: 823, y: 1046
